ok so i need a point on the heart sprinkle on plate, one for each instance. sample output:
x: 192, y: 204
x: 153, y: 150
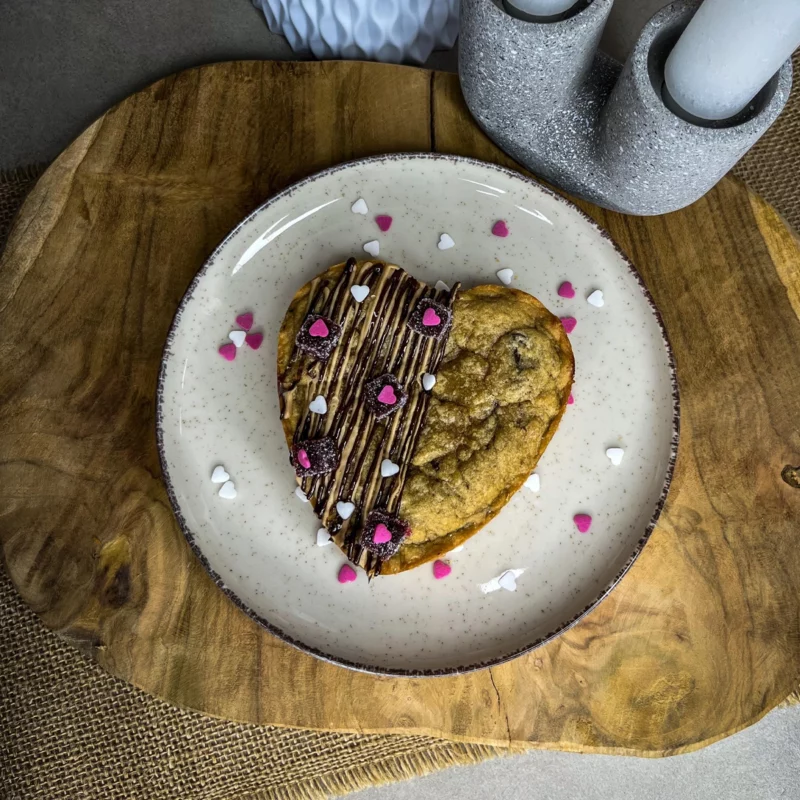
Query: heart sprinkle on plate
x: 384, y: 222
x: 373, y: 248
x: 228, y: 351
x: 347, y: 574
x: 508, y: 581
x: 505, y: 276
x: 360, y: 207
x: 254, y: 340
x: 500, y: 229
x: 582, y: 522
x: 566, y: 290
x: 317, y: 406
x: 441, y: 569
x: 219, y: 475
x: 570, y: 399
x: 445, y: 242
x: 245, y: 320
x: 596, y: 299
x: 360, y: 293
x: 441, y: 286
x: 615, y: 455
x: 569, y: 323
x: 507, y: 577
x: 301, y: 495
x: 237, y: 337
x: 323, y: 537
x: 533, y: 483
x: 227, y: 491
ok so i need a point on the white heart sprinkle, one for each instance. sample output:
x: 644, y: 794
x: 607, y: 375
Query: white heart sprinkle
x: 323, y: 537
x: 441, y: 286
x: 219, y: 475
x: 445, y: 242
x: 237, y: 337
x: 359, y: 292
x: 428, y: 381
x: 345, y: 510
x: 456, y: 549
x: 596, y: 299
x: 494, y: 584
x: 389, y: 468
x: 301, y: 495
x: 318, y: 405
x: 508, y: 581
x: 373, y: 247
x: 615, y: 455
x: 533, y: 482
x: 359, y: 207
x: 227, y: 490
x: 505, y: 275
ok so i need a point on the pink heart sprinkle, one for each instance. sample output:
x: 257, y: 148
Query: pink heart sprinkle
x: 387, y: 396
x: 228, y: 351
x: 441, y: 569
x: 347, y: 574
x: 319, y: 329
x: 303, y: 458
x: 570, y: 399
x: 254, y: 340
x: 245, y: 321
x: 566, y: 290
x: 500, y: 229
x: 382, y: 534
x: 384, y: 222
x: 430, y: 318
x: 582, y: 522
x: 569, y: 323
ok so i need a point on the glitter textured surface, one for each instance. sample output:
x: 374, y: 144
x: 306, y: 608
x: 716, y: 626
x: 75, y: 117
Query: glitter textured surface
x: 573, y: 116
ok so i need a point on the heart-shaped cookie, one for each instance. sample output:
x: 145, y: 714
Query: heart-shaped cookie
x: 464, y: 444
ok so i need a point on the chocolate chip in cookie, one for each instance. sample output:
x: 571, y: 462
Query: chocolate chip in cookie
x: 315, y: 456
x: 318, y: 336
x: 383, y: 533
x: 430, y: 318
x: 384, y: 395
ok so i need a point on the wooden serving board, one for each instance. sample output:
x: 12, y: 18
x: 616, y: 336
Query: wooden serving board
x: 699, y: 640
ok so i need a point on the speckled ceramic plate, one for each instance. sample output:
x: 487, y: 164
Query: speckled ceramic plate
x: 261, y: 547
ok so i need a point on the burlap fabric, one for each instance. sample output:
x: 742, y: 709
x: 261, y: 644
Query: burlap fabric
x: 68, y: 730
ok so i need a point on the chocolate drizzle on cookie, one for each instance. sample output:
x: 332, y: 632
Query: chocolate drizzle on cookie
x: 377, y: 344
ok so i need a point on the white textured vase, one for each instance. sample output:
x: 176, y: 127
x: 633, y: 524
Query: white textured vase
x: 380, y: 30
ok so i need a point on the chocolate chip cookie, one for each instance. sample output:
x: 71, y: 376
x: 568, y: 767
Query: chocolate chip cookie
x: 503, y: 369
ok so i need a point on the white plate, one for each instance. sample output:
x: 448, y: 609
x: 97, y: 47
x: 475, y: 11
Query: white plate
x: 261, y: 547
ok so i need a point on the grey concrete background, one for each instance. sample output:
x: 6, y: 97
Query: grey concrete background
x: 64, y: 62
x: 61, y: 65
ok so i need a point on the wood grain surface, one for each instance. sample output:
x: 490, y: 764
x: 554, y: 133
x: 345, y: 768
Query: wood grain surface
x: 700, y: 639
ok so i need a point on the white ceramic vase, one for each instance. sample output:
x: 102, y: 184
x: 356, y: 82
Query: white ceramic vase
x: 379, y: 30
